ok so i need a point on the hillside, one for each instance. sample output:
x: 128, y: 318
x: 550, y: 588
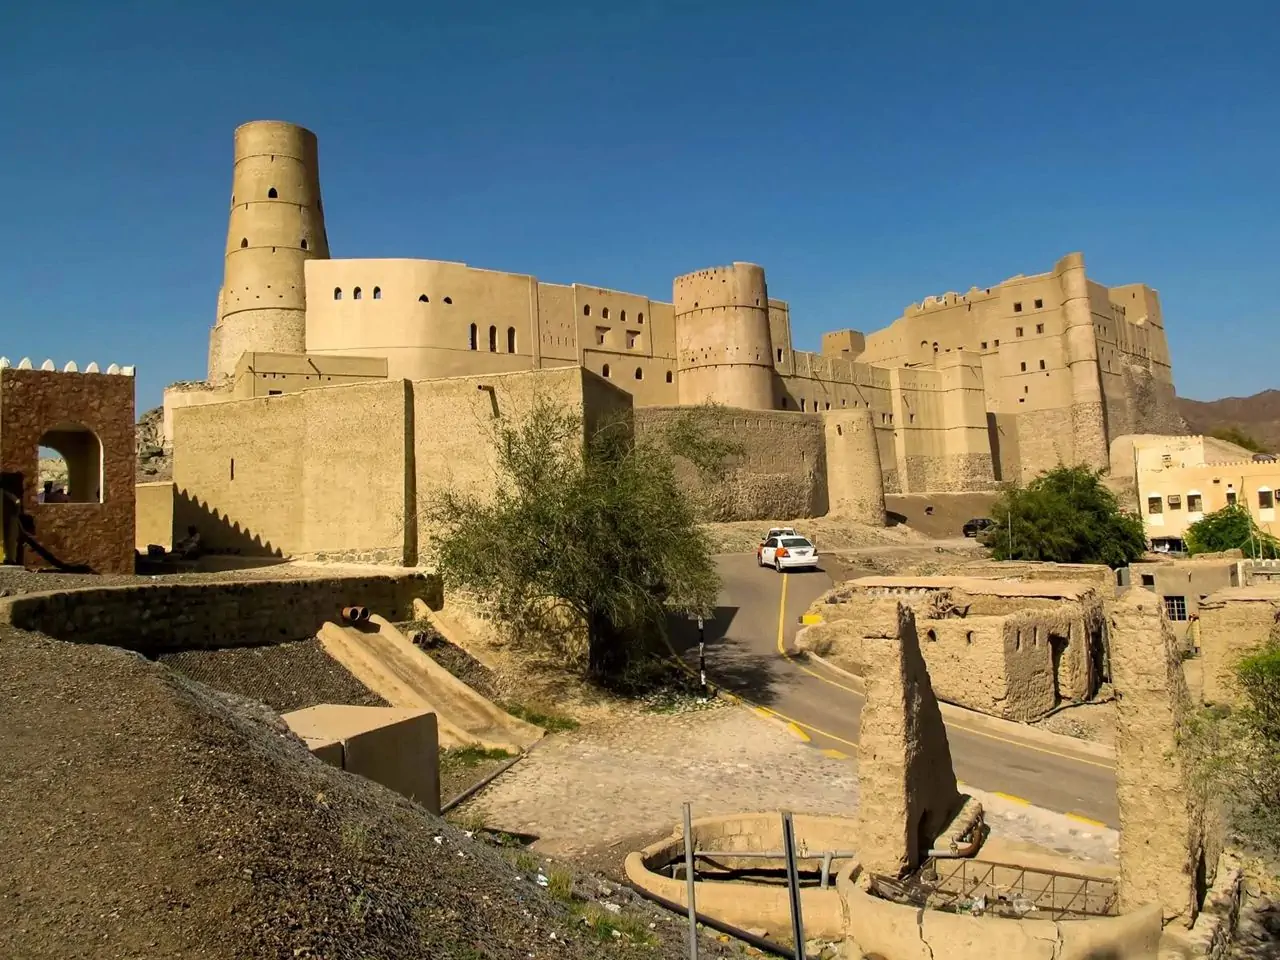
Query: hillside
x: 1258, y: 416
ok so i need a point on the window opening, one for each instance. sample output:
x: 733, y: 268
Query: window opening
x: 70, y: 465
x: 493, y: 339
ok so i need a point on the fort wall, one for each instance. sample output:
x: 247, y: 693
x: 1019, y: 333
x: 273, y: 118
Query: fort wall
x: 1235, y: 622
x: 343, y: 472
x: 723, y: 342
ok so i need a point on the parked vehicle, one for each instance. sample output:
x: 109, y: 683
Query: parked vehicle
x: 787, y: 553
x: 975, y: 526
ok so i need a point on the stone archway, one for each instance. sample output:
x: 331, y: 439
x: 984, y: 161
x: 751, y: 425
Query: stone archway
x: 80, y: 451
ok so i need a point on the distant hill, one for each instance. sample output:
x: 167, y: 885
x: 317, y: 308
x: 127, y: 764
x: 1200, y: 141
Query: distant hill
x: 1258, y: 416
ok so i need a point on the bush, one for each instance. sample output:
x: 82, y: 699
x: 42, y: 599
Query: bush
x: 1230, y: 528
x: 1064, y: 516
x: 586, y: 533
x: 1238, y: 751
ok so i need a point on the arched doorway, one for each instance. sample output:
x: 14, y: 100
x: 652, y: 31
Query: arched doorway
x: 70, y: 467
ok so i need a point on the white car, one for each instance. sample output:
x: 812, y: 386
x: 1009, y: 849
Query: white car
x: 787, y: 553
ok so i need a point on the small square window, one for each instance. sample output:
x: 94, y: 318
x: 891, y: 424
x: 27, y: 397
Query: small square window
x: 1017, y: 331
x: 1039, y: 328
x: 997, y: 343
x: 1024, y: 366
x: 1155, y: 505
x: 984, y: 344
x: 1041, y: 364
x: 1039, y: 304
x: 1017, y: 307
x: 1266, y: 500
x: 1148, y: 579
x: 1194, y: 503
x: 1231, y: 498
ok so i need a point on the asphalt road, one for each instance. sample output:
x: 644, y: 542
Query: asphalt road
x: 742, y: 656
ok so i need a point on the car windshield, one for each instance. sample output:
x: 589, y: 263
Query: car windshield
x: 796, y: 542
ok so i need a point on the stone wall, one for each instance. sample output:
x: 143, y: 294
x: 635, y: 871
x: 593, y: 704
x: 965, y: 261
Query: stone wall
x: 1235, y: 622
x: 156, y: 618
x: 154, y: 515
x: 780, y: 474
x: 97, y: 532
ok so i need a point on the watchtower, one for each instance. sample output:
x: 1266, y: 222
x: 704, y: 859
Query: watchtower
x: 276, y: 225
x: 723, y: 348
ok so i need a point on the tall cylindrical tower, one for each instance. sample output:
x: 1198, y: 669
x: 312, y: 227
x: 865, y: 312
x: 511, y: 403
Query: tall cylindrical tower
x: 1088, y: 414
x: 855, y: 479
x: 723, y: 349
x: 276, y: 225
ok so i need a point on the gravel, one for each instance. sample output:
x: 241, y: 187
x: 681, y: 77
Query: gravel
x: 146, y: 815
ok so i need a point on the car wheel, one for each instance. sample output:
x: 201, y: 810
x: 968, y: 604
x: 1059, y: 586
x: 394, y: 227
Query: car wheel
x: 777, y: 565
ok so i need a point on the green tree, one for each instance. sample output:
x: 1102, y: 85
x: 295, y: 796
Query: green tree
x: 589, y: 532
x: 1065, y: 515
x: 1230, y: 528
x: 1238, y: 437
x: 1237, y: 750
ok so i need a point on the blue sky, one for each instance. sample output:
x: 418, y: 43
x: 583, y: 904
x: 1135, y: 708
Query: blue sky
x: 866, y: 154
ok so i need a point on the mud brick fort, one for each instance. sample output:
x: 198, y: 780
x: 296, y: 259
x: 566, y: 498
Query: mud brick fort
x: 959, y: 393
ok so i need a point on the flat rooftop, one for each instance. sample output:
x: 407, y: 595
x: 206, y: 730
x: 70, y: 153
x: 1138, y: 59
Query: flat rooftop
x: 1056, y: 589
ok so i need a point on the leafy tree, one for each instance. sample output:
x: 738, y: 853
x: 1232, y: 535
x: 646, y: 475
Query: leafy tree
x: 1065, y: 515
x: 1238, y: 750
x: 1238, y: 437
x: 1230, y: 528
x: 589, y: 532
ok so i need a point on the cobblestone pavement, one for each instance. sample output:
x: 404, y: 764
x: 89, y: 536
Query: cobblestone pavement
x: 585, y: 792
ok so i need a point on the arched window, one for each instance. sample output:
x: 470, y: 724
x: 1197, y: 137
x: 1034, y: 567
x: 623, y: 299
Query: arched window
x: 70, y: 457
x: 423, y: 298
x: 304, y: 243
x: 337, y: 293
x: 639, y: 373
x: 473, y: 336
x: 511, y: 339
x: 604, y: 314
x: 802, y: 403
x: 622, y: 316
x: 244, y: 242
x: 448, y: 299
x: 669, y: 377
x: 377, y: 293
x: 493, y: 339
x: 639, y: 318
x: 272, y: 195
x: 357, y: 294
x: 605, y: 371
x: 586, y: 309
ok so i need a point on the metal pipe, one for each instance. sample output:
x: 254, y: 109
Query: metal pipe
x: 760, y: 943
x: 772, y: 855
x: 793, y: 883
x: 977, y: 833
x: 689, y: 880
x: 826, y: 870
x: 355, y: 614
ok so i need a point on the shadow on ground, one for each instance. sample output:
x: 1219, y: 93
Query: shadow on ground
x: 731, y: 663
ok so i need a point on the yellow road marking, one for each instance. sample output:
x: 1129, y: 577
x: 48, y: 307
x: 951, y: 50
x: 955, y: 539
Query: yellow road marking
x: 797, y: 732
x: 976, y: 732
x: 835, y: 754
x: 1080, y: 818
x: 1011, y: 798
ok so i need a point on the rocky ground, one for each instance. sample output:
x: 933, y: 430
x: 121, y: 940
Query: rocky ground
x: 1086, y: 721
x: 148, y: 816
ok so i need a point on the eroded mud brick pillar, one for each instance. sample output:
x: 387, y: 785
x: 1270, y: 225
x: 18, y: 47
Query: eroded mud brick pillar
x: 907, y: 786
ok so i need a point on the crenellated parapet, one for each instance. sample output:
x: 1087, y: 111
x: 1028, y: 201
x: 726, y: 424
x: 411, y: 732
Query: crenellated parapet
x: 70, y: 366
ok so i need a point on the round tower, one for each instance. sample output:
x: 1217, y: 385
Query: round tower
x: 723, y: 348
x: 1088, y: 414
x: 276, y: 225
x: 855, y: 479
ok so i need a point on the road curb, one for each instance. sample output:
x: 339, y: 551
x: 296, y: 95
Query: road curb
x: 965, y: 719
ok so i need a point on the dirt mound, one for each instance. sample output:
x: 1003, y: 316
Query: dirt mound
x: 146, y: 815
x: 284, y: 676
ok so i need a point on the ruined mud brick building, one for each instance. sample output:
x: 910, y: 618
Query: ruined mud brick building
x: 88, y: 419
x: 1006, y: 648
x: 959, y: 393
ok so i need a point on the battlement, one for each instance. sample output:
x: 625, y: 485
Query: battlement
x: 70, y: 367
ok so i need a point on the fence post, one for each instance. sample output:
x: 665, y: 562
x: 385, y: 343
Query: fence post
x: 793, y: 882
x: 689, y: 881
